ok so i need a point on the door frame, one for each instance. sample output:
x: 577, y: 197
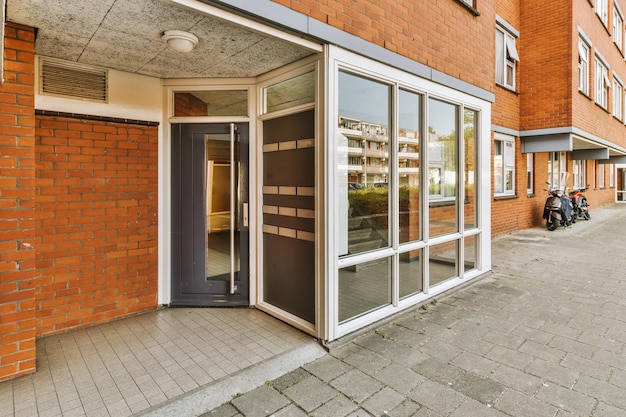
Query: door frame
x: 164, y: 294
x: 189, y: 217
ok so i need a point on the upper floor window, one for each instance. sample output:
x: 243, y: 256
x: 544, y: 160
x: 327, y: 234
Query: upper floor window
x: 618, y: 27
x: 618, y: 95
x: 506, y: 58
x: 602, y: 10
x: 602, y: 84
x: 583, y: 67
x: 504, y: 165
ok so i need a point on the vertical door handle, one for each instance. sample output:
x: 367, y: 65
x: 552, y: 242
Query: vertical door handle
x: 245, y: 214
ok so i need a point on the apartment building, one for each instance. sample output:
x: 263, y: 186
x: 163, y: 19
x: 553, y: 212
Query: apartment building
x: 268, y: 154
x: 559, y: 109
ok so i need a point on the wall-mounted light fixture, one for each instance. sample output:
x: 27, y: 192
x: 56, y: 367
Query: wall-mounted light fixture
x: 180, y: 41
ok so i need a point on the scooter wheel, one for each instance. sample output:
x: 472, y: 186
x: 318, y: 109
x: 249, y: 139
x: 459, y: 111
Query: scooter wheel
x: 586, y: 215
x: 551, y: 225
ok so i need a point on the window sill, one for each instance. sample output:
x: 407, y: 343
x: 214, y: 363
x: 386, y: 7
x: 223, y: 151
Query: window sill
x: 585, y: 94
x: 531, y: 195
x: 505, y: 197
x: 509, y: 89
x: 471, y: 9
x: 603, y: 108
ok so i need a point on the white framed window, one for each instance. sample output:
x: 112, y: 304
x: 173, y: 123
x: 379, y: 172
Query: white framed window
x: 618, y: 27
x: 470, y: 3
x: 506, y: 58
x: 611, y: 175
x: 618, y: 96
x: 602, y: 84
x: 602, y: 10
x: 580, y: 173
x: 557, y: 170
x: 530, y: 176
x: 600, y: 175
x: 583, y: 67
x: 503, y: 165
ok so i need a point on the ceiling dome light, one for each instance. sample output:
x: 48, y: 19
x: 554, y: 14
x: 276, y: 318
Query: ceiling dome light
x: 179, y: 41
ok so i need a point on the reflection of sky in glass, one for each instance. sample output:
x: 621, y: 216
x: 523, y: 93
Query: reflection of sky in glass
x: 441, y: 117
x: 363, y: 99
x: 408, y: 110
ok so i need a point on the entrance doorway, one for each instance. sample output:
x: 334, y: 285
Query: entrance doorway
x: 210, y: 234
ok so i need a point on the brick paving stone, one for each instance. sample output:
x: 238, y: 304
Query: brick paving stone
x: 337, y: 407
x: 405, y: 356
x: 589, y: 367
x: 554, y: 373
x: 476, y: 409
x: 399, y: 378
x: 376, y: 342
x: 407, y: 408
x: 518, y: 380
x: 520, y: 405
x: 474, y: 363
x: 566, y: 399
x: 437, y: 397
x: 438, y: 371
x: 356, y: 385
x: 290, y: 379
x: 260, y: 402
x: 481, y: 389
x: 383, y: 401
x: 310, y: 393
x: 290, y: 411
x: 327, y: 368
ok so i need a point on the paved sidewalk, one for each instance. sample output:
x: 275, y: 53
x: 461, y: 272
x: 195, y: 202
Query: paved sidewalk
x: 544, y: 334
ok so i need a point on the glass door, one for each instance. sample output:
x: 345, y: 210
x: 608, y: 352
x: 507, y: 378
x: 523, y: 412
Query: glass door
x: 210, y: 214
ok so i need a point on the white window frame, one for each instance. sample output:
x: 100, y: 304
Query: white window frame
x: 602, y: 10
x: 602, y: 83
x: 583, y: 66
x: 507, y: 58
x: 530, y: 173
x: 579, y: 168
x: 562, y: 174
x: 611, y: 175
x: 618, y: 97
x: 618, y: 27
x: 340, y: 59
x: 601, y: 175
x: 507, y: 162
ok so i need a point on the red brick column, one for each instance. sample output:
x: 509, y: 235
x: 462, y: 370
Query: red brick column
x: 17, y: 197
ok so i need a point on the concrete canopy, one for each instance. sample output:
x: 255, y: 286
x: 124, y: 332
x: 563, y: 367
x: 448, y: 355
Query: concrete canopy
x: 126, y: 35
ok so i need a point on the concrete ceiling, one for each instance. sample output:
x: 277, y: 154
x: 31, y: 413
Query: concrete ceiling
x: 126, y: 35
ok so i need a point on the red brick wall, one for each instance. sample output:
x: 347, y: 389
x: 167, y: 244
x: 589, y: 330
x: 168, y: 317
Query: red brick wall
x: 441, y: 34
x: 96, y: 205
x: 17, y: 197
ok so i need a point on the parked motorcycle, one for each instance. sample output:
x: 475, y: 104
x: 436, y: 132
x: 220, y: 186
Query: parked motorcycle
x: 579, y: 201
x: 558, y: 209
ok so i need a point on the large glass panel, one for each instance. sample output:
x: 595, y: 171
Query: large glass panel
x: 442, y: 262
x: 409, y: 128
x: 469, y: 248
x: 290, y: 93
x: 469, y: 134
x: 363, y: 154
x: 211, y: 103
x: 364, y: 287
x: 442, y: 167
x: 411, y: 274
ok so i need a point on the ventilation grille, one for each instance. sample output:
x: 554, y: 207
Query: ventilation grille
x: 73, y: 80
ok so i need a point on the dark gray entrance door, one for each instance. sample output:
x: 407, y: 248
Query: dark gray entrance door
x: 210, y: 235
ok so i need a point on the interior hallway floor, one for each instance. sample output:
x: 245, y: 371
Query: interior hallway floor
x: 127, y: 366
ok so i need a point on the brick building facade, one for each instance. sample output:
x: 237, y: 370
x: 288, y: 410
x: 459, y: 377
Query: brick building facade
x: 88, y: 212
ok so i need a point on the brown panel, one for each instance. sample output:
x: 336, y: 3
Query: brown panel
x: 308, y: 225
x: 292, y: 127
x: 289, y: 168
x: 294, y: 201
x: 289, y: 271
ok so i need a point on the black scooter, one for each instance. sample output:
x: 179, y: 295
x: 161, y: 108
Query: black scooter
x: 558, y: 209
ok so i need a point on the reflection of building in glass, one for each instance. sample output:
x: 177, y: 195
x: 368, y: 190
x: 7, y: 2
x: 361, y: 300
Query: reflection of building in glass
x: 368, y: 153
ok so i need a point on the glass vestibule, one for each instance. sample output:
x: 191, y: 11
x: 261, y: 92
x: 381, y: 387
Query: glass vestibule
x: 390, y: 219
